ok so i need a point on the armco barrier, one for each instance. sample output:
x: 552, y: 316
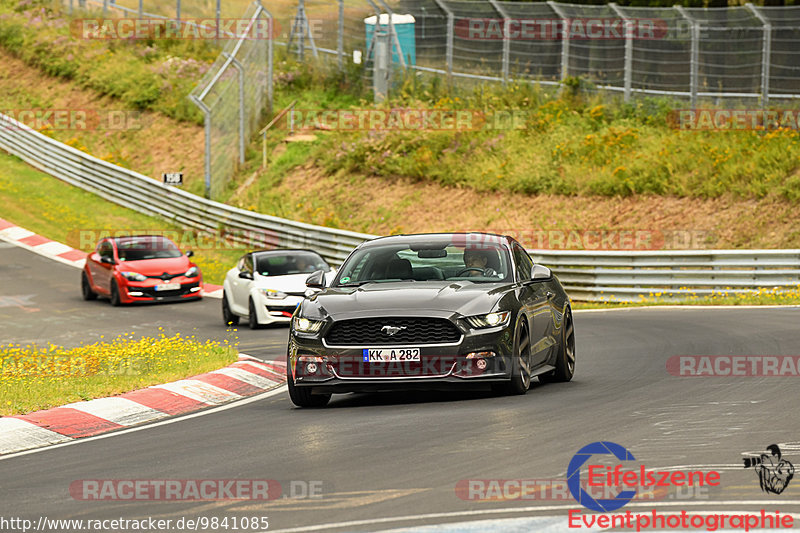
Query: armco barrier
x: 146, y: 195
x: 587, y: 275
x: 670, y: 275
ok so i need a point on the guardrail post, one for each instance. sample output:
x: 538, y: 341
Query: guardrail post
x: 628, y: 49
x: 694, y: 55
x: 766, y: 54
x: 506, y: 38
x: 564, y: 39
x: 450, y: 33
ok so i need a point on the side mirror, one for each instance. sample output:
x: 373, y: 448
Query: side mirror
x: 244, y: 274
x: 316, y: 280
x: 189, y: 253
x: 540, y: 273
x: 107, y: 260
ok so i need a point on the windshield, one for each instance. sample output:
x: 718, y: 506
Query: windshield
x: 283, y: 263
x: 146, y: 248
x: 426, y: 262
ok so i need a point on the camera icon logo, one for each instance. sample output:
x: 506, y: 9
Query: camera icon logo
x: 774, y: 472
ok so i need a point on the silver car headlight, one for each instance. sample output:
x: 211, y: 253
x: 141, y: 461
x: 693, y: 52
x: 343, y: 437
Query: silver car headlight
x: 192, y: 272
x: 133, y: 276
x: 306, y: 325
x: 272, y: 294
x: 489, y: 320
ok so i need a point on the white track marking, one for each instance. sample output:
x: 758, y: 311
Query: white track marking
x: 248, y: 377
x: 199, y: 391
x: 118, y: 410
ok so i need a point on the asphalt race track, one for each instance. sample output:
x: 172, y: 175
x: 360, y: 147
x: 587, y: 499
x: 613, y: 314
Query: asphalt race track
x: 394, y: 461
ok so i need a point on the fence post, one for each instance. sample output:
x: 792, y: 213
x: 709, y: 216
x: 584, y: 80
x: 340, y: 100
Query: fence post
x: 628, y: 49
x: 766, y: 54
x: 217, y: 16
x: 694, y: 57
x: 340, y: 37
x: 240, y: 70
x: 393, y: 35
x: 564, y: 39
x: 506, y: 37
x: 450, y: 31
x: 380, y: 62
x: 207, y: 123
x: 141, y: 9
x: 105, y: 8
x: 178, y: 11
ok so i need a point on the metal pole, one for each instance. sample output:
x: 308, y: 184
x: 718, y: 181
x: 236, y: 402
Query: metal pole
x: 141, y: 8
x: 301, y: 15
x: 393, y: 35
x: 178, y: 10
x: 105, y: 8
x: 240, y: 69
x: 270, y: 46
x: 506, y: 37
x: 70, y: 7
x: 694, y: 55
x: 207, y: 122
x: 628, y: 49
x: 218, y: 17
x: 564, y: 39
x: 450, y: 31
x: 766, y: 54
x: 340, y: 36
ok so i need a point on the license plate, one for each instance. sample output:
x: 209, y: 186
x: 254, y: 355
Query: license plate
x: 379, y: 355
x: 168, y: 287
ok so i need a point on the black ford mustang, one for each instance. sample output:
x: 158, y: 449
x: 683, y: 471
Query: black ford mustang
x: 431, y: 311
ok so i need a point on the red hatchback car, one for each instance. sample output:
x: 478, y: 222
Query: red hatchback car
x: 146, y: 268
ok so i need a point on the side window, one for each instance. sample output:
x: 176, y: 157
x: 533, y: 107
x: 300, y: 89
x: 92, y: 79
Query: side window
x: 240, y: 263
x: 523, y: 261
x: 248, y: 263
x: 105, y: 249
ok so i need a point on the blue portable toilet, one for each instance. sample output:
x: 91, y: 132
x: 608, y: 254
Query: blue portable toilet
x: 403, y: 26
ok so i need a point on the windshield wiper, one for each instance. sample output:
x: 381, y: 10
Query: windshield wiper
x: 359, y: 283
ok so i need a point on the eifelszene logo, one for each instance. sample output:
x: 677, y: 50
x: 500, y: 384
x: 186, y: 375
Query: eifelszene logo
x: 774, y: 472
x: 631, y: 479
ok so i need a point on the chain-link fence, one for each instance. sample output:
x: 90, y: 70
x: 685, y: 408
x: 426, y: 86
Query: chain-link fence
x: 236, y: 91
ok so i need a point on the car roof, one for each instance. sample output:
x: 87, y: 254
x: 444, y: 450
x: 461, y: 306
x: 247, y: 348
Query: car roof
x: 130, y: 238
x: 469, y: 237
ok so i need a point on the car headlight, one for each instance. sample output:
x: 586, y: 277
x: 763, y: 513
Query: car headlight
x: 192, y: 272
x: 133, y: 276
x: 306, y: 325
x: 273, y: 294
x: 489, y: 320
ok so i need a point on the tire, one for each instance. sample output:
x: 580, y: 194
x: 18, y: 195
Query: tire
x: 228, y: 318
x: 252, y: 317
x: 520, y: 372
x: 115, y: 299
x: 301, y: 396
x: 86, y: 288
x: 565, y: 360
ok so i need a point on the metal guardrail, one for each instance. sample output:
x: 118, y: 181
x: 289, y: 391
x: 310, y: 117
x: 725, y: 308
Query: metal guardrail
x: 603, y: 276
x: 586, y: 275
x: 146, y: 195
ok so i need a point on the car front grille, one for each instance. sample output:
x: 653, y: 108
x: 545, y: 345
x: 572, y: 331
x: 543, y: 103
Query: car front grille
x: 372, y: 332
x: 150, y: 292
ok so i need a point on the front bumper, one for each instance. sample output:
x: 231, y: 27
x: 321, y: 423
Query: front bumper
x: 441, y: 367
x: 146, y: 291
x: 276, y: 311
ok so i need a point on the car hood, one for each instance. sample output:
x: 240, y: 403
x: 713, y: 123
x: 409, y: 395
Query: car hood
x: 156, y: 267
x: 462, y: 297
x: 291, y: 283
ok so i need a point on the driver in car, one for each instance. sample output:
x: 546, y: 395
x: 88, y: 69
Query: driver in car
x: 475, y: 262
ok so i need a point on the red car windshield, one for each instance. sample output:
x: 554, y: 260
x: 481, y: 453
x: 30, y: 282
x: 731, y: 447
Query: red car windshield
x: 146, y: 248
